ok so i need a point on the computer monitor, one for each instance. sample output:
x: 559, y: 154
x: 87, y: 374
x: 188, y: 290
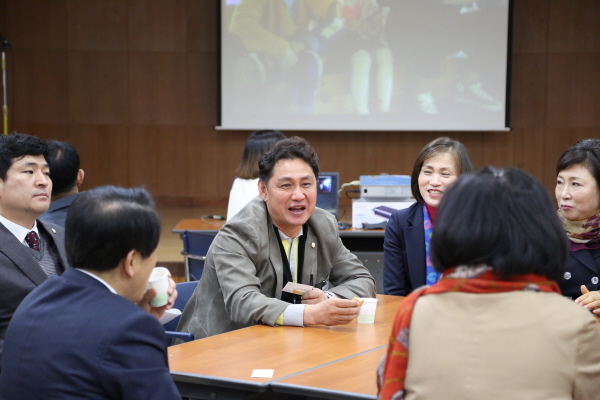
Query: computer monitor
x: 328, y: 184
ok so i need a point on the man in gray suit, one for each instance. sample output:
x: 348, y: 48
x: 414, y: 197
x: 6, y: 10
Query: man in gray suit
x: 30, y: 250
x: 279, y: 237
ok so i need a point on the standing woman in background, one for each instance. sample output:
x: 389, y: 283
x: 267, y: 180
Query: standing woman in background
x: 245, y: 186
x: 578, y: 198
x: 406, y: 264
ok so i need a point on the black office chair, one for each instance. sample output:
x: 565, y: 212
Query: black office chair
x: 195, y: 248
x: 184, y: 292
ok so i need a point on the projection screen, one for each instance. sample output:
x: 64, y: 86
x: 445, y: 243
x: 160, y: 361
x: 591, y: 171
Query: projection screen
x: 364, y: 64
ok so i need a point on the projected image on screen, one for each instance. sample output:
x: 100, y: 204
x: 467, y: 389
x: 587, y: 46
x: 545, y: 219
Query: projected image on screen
x: 364, y: 64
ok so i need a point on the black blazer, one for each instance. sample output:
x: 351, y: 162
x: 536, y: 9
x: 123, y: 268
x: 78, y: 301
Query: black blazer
x: 20, y: 273
x: 404, y: 267
x: 583, y: 268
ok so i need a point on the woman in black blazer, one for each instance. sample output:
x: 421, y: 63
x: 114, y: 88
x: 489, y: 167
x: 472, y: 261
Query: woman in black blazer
x: 405, y: 248
x: 578, y: 198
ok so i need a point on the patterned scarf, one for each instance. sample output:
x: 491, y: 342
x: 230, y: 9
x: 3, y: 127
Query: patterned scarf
x: 432, y: 276
x: 392, y: 370
x: 582, y: 234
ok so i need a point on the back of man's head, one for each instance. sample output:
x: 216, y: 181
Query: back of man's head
x: 105, y: 223
x: 18, y: 145
x: 63, y: 161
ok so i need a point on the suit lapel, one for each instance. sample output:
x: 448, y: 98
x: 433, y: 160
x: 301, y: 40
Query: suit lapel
x: 415, y: 247
x: 275, y: 257
x: 9, y: 246
x: 585, y: 258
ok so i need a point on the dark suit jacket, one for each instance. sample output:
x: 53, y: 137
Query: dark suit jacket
x: 20, y: 273
x: 404, y: 267
x: 73, y: 338
x: 583, y: 268
x: 57, y: 213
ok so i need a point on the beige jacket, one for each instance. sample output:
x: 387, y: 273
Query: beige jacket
x: 518, y: 345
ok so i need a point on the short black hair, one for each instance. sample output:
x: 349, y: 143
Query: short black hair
x: 105, y: 223
x: 439, y: 146
x: 18, y: 145
x: 258, y: 143
x: 64, y: 165
x: 502, y: 218
x: 586, y: 152
x: 288, y: 149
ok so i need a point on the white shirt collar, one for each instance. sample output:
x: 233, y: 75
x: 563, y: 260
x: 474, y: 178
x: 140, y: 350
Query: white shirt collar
x: 17, y: 230
x: 99, y: 279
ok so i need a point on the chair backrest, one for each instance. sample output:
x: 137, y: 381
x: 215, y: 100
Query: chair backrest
x: 195, y: 248
x: 184, y: 293
x: 197, y: 243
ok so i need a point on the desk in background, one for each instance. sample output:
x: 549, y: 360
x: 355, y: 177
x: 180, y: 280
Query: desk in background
x: 313, y: 361
x: 366, y: 245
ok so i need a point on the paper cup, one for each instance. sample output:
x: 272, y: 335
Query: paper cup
x: 159, y: 280
x: 367, y: 311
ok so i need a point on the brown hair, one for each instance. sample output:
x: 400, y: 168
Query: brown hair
x: 258, y: 143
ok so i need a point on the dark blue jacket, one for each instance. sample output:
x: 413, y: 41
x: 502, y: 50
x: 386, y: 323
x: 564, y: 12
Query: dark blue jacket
x: 72, y: 338
x: 404, y: 266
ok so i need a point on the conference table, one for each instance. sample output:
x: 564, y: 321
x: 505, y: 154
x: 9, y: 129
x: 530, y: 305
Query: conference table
x: 317, y: 362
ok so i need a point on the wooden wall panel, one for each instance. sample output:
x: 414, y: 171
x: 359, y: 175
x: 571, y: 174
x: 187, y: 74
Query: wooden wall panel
x: 528, y: 90
x: 155, y: 159
x: 40, y: 92
x: 157, y: 88
x: 37, y: 24
x: 574, y: 26
x: 104, y: 152
x: 214, y: 156
x: 203, y: 88
x: 43, y: 131
x: 528, y: 146
x: 157, y: 25
x: 573, y: 90
x: 3, y: 17
x: 132, y: 83
x: 530, y: 26
x: 98, y: 87
x: 203, y: 25
x: 97, y: 25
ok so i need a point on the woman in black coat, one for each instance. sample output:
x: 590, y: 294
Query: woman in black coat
x: 578, y: 197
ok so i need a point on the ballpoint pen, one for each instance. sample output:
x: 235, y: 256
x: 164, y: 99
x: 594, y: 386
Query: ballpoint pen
x: 312, y: 278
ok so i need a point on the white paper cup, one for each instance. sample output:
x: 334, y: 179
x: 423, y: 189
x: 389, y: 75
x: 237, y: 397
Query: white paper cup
x: 159, y: 280
x: 367, y: 311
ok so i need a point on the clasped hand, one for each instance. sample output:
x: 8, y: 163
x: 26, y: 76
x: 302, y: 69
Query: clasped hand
x: 321, y: 310
x: 589, y: 300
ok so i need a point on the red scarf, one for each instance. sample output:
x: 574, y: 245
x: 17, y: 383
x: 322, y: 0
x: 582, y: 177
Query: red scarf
x: 392, y: 371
